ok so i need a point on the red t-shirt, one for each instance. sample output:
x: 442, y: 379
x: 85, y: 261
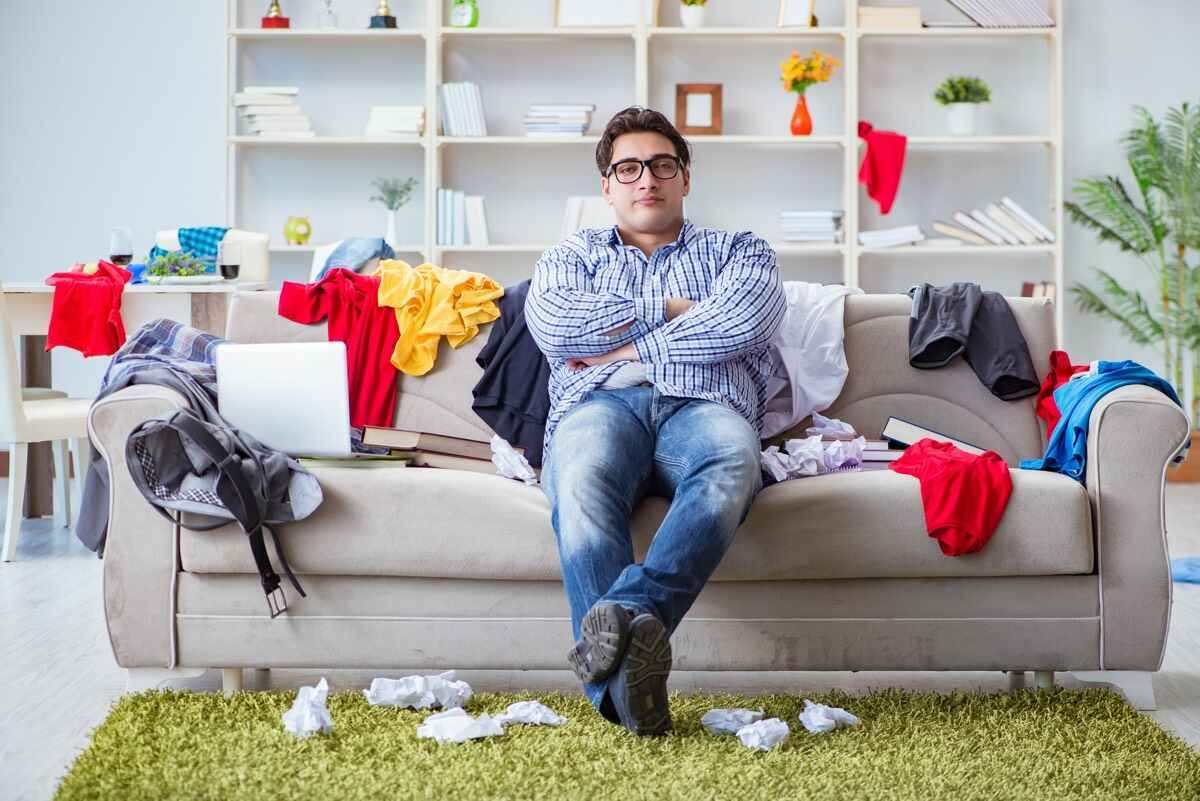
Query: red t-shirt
x: 1060, y: 373
x: 348, y: 301
x: 86, y: 313
x: 964, y: 494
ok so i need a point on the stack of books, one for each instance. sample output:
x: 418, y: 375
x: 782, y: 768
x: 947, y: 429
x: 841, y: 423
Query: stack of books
x: 385, y: 121
x: 558, y: 119
x: 462, y: 110
x: 891, y: 237
x: 889, y: 18
x: 272, y: 111
x: 461, y: 219
x: 1005, y: 13
x: 1038, y: 289
x: 820, y: 225
x: 1005, y: 223
x: 423, y: 449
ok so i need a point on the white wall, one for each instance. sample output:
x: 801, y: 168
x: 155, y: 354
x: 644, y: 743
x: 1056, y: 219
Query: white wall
x: 112, y: 113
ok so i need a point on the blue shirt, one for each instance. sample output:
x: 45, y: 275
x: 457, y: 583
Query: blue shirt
x: 592, y: 282
x: 1066, y: 452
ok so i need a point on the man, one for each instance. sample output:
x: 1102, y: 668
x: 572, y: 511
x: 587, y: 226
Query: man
x: 657, y: 334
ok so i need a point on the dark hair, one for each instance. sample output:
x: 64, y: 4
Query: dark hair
x: 636, y: 119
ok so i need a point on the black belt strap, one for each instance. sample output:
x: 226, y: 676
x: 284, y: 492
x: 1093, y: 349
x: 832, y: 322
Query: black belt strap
x: 235, y: 492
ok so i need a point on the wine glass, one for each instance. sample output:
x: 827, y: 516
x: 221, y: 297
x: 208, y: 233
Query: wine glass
x: 120, y: 246
x: 328, y: 17
x: 229, y: 259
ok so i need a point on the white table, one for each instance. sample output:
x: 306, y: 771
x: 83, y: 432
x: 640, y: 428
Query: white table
x: 202, y: 306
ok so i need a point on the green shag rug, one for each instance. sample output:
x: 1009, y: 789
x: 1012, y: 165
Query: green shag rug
x: 1061, y: 745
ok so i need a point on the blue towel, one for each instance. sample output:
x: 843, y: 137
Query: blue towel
x: 354, y: 253
x: 1186, y: 568
x: 1066, y: 452
x: 202, y: 243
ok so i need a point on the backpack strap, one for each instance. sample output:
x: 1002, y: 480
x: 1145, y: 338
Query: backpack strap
x: 235, y: 492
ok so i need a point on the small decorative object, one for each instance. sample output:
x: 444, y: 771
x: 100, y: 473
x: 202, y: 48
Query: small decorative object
x: 618, y: 13
x: 698, y: 108
x: 297, y: 230
x: 797, y: 75
x: 328, y: 19
x: 383, y: 16
x: 464, y: 14
x: 691, y: 13
x: 797, y: 14
x: 275, y: 18
x: 961, y: 94
x: 393, y: 193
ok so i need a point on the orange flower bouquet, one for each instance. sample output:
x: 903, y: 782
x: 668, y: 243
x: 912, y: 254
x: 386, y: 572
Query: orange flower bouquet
x: 797, y: 75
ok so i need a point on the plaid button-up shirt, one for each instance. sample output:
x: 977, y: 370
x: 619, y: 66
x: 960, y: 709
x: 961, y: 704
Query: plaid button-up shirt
x: 592, y: 283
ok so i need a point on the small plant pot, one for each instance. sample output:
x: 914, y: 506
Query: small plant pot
x: 692, y: 16
x: 961, y: 118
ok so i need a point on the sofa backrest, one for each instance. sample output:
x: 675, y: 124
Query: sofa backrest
x: 881, y: 382
x: 949, y: 399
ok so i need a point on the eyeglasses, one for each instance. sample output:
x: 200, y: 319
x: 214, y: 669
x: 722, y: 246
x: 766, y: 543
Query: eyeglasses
x: 629, y: 171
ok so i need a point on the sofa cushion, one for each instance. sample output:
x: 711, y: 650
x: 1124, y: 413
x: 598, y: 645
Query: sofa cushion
x: 436, y: 523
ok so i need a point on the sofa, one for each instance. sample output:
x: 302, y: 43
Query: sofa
x: 432, y: 569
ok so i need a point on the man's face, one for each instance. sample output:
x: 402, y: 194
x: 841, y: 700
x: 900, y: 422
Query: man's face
x: 649, y: 204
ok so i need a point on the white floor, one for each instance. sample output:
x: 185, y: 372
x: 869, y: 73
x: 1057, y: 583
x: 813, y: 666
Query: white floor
x: 58, y: 677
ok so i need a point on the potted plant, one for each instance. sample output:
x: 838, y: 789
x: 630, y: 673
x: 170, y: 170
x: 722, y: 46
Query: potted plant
x: 961, y: 94
x: 797, y: 75
x: 393, y: 193
x: 691, y: 13
x: 1161, y: 226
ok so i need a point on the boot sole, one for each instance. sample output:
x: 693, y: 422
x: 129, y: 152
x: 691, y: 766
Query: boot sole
x: 647, y: 666
x: 605, y: 631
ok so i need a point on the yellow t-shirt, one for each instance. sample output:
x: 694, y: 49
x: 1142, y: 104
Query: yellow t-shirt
x: 432, y: 302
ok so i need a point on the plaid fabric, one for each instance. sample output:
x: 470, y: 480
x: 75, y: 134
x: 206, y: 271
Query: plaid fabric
x: 171, y: 344
x: 200, y: 242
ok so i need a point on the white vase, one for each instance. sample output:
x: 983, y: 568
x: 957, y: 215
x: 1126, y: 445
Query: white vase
x: 960, y: 118
x: 390, y: 236
x: 692, y: 16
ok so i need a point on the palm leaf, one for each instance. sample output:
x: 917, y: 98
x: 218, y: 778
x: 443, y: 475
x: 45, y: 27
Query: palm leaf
x: 1181, y: 161
x: 1127, y: 308
x: 1106, y: 200
x: 1106, y: 234
x: 1144, y: 152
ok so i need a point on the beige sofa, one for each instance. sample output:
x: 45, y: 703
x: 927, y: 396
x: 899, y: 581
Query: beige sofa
x: 425, y: 568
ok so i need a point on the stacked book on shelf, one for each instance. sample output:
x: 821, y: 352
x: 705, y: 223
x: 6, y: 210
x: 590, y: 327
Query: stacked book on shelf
x: 385, y: 121
x: 423, y: 449
x: 462, y: 110
x: 461, y: 219
x: 272, y: 111
x: 818, y: 225
x: 1005, y: 13
x: 1038, y: 289
x: 1003, y: 223
x: 891, y: 237
x: 889, y: 18
x: 558, y: 119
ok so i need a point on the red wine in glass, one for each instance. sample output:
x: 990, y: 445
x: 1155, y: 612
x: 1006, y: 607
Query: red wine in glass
x: 121, y: 259
x: 229, y: 271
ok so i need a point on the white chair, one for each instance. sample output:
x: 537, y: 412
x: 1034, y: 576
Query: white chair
x: 37, y: 415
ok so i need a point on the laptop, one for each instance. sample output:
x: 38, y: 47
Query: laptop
x: 289, y: 396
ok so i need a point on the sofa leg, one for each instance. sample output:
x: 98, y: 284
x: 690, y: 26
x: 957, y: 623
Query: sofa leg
x: 231, y: 681
x: 1044, y: 679
x: 1136, y: 685
x: 260, y: 679
x: 1016, y: 680
x: 140, y: 679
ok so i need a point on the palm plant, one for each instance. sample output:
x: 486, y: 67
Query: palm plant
x: 1161, y: 226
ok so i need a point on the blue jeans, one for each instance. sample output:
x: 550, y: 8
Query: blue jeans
x: 609, y: 451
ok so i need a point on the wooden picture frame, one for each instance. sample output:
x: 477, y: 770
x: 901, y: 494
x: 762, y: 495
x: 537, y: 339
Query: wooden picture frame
x: 610, y: 13
x: 691, y: 115
x: 797, y: 13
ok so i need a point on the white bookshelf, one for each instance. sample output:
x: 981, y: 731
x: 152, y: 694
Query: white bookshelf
x: 439, y: 154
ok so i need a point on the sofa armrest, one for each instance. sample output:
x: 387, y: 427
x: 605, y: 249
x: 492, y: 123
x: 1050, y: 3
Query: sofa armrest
x: 139, y: 552
x: 1133, y: 434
